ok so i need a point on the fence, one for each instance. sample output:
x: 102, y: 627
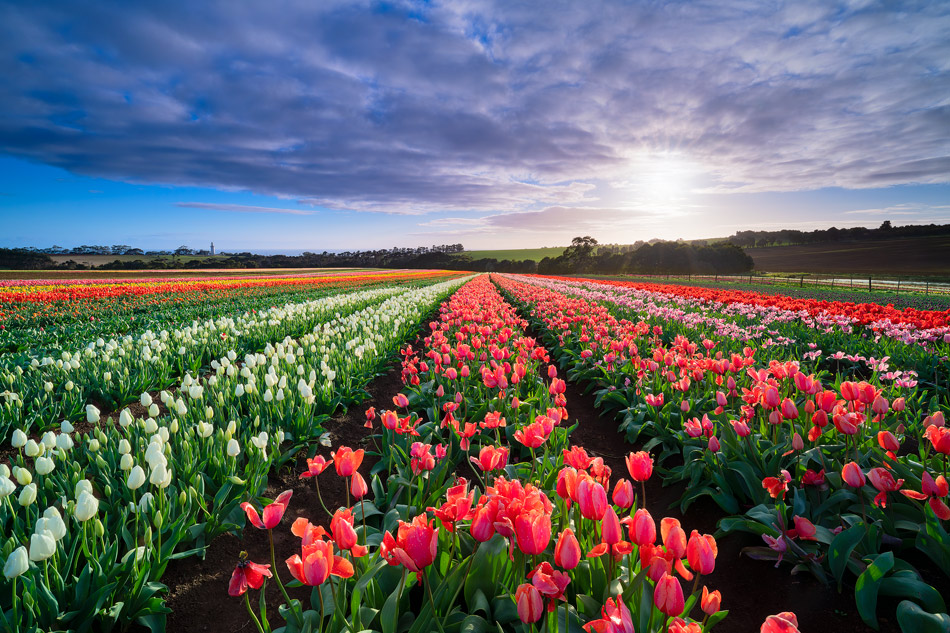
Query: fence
x: 868, y: 283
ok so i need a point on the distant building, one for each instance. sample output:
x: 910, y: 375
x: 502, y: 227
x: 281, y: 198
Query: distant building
x: 212, y: 248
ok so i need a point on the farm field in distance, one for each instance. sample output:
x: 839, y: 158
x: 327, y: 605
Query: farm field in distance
x: 183, y: 273
x: 909, y: 256
x: 519, y: 254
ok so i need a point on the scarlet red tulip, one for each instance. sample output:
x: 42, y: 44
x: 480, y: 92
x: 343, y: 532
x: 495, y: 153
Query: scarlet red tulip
x: 533, y: 529
x: 591, y: 499
x: 805, y: 529
x: 623, y: 494
x: 640, y: 465
x: 530, y: 605
x: 701, y: 552
x: 668, y: 596
x: 711, y: 602
x: 347, y: 461
x: 358, y: 487
x: 567, y: 552
x: 610, y: 527
x: 414, y: 546
x: 784, y: 622
x: 549, y: 582
x: 273, y: 512
x: 852, y: 475
x: 642, y: 528
x: 884, y: 481
x: 247, y: 574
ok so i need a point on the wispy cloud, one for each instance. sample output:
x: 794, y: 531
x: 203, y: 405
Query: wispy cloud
x: 241, y: 208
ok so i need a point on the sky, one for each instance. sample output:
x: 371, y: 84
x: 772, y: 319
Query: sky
x: 338, y: 125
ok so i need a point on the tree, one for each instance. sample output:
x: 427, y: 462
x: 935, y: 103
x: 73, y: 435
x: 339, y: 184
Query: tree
x: 885, y: 226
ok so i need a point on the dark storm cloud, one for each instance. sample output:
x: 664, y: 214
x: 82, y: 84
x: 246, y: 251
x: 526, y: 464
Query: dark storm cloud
x: 412, y: 108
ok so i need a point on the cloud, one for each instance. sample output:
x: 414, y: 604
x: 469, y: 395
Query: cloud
x: 480, y: 105
x: 241, y: 208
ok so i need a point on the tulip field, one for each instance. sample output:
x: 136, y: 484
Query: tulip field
x: 144, y: 423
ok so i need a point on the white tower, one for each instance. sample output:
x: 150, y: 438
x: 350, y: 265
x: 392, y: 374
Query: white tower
x: 212, y: 248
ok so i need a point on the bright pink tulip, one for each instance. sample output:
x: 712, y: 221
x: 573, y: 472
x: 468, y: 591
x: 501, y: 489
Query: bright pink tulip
x: 642, y: 528
x: 623, y: 494
x: 784, y: 622
x: 315, y: 466
x: 701, y: 552
x: 533, y: 529
x: 591, y: 499
x: 610, y: 527
x: 852, y: 475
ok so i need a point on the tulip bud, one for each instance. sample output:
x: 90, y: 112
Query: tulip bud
x: 711, y: 602
x: 17, y: 563
x: 23, y: 476
x: 27, y: 495
x: 19, y: 439
x: 93, y: 445
x: 797, y: 442
x: 99, y: 527
x: 158, y: 520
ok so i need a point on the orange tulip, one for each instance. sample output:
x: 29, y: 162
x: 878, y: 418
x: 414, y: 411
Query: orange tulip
x: 711, y: 601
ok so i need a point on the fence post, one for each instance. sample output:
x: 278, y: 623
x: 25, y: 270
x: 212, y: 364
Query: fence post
x: 832, y: 281
x: 852, y: 282
x: 927, y: 291
x: 870, y: 289
x: 801, y: 284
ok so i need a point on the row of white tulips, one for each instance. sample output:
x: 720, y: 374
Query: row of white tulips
x: 114, y: 371
x: 90, y: 521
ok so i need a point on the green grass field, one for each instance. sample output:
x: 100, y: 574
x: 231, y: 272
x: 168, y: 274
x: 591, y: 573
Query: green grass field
x: 519, y: 254
x: 99, y: 260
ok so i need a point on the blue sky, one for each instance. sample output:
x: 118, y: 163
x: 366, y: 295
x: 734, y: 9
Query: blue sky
x: 345, y: 125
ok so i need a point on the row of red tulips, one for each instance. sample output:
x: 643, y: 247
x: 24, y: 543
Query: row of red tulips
x: 782, y: 448
x: 542, y: 536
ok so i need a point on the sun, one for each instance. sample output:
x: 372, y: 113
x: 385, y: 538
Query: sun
x: 663, y: 182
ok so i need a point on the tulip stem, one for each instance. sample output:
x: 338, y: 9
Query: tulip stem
x: 273, y: 562
x: 247, y: 603
x: 435, y: 616
x: 322, y: 611
x: 643, y: 487
x: 316, y: 482
x: 16, y: 615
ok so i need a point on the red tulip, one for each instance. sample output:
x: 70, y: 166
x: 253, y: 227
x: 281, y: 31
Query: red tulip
x: 315, y: 466
x: 784, y: 622
x: 358, y: 487
x: 740, y: 427
x: 415, y: 545
x: 616, y: 618
x: 549, y: 582
x: 576, y: 457
x: 640, y: 465
x: 804, y: 529
x: 591, y: 499
x: 347, y: 461
x: 317, y: 562
x: 852, y: 475
x: 668, y: 596
x: 888, y: 441
x: 611, y: 533
x: 491, y: 458
x: 273, y: 512
x: 530, y: 605
x: 883, y: 480
x: 674, y: 536
x: 939, y: 437
x: 247, y: 574
x: 567, y: 552
x: 623, y: 494
x: 701, y: 552
x: 642, y: 528
x: 483, y: 522
x: 711, y: 601
x: 533, y: 529
x: 789, y: 410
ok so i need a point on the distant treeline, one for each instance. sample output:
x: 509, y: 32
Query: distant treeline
x: 583, y: 256
x: 749, y: 239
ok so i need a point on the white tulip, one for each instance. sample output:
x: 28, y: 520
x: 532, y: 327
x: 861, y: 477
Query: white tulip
x: 27, y: 495
x: 44, y: 465
x: 126, y: 462
x: 64, y: 442
x: 268, y: 396
x: 92, y: 414
x: 47, y: 387
x: 159, y: 472
x: 94, y: 445
x: 107, y: 376
x: 49, y: 440
x: 180, y: 407
x: 54, y: 523
x: 145, y: 502
x: 19, y: 439
x: 163, y: 433
x: 86, y: 506
x: 33, y: 449
x: 66, y: 427
x: 151, y: 425
x: 124, y: 447
x: 280, y: 395
x: 42, y: 546
x: 164, y: 483
x: 4, y: 470
x: 232, y: 428
x: 23, y: 476
x: 209, y: 413
x: 239, y: 390
x: 145, y: 400
x: 7, y: 487
x: 83, y: 485
x: 125, y: 418
x: 234, y: 449
x: 136, y: 478
x: 16, y: 564
x: 153, y: 410
x: 69, y: 385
